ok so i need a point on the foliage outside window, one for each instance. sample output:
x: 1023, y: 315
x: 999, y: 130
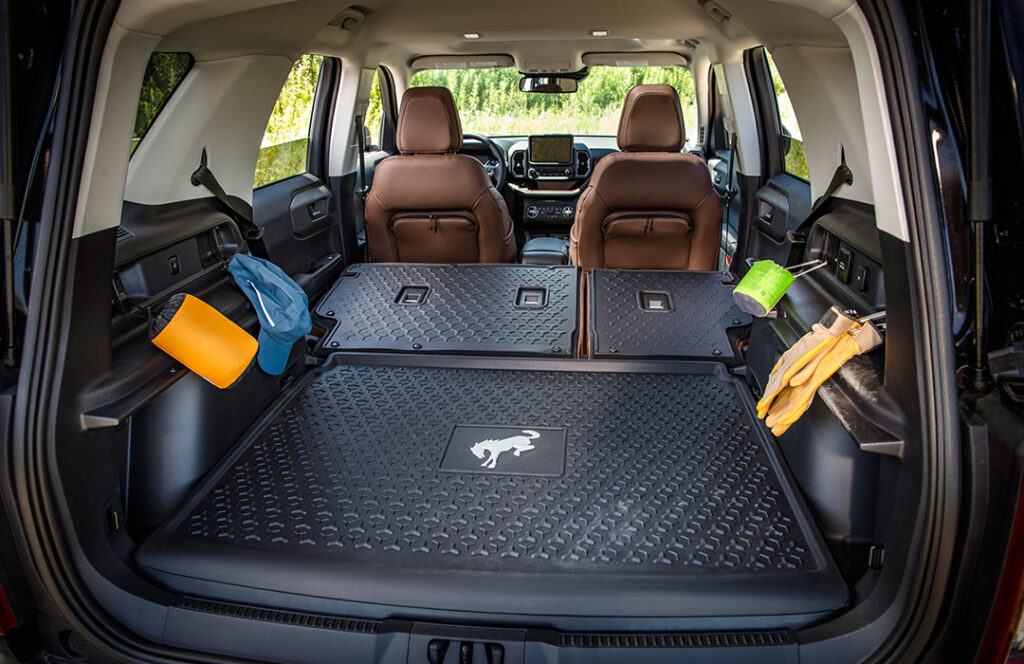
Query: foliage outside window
x: 374, y: 117
x: 286, y: 141
x: 164, y: 73
x: 490, y: 102
x: 792, y: 140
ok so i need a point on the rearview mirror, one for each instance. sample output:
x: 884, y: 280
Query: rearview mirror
x: 549, y: 84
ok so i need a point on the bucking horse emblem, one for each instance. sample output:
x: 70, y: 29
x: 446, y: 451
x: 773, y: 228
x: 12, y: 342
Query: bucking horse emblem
x: 497, y: 446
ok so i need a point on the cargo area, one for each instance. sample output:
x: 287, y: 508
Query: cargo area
x: 460, y: 477
x: 649, y: 492
x: 485, y: 333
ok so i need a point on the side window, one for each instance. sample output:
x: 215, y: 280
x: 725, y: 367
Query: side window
x: 374, y: 118
x: 286, y: 140
x: 792, y: 147
x: 723, y: 124
x: 164, y: 74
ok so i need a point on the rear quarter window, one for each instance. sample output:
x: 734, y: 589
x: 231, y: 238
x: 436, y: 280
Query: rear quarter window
x: 792, y: 143
x: 285, y: 144
x: 164, y: 74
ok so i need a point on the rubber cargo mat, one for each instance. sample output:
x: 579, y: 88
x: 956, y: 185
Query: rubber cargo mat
x: 656, y: 313
x: 564, y: 492
x: 481, y: 309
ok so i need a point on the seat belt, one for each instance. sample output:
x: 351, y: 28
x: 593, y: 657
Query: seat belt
x: 362, y: 191
x: 730, y: 193
x: 237, y: 209
x: 798, y: 238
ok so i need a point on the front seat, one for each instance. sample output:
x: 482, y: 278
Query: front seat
x: 430, y: 205
x: 649, y: 206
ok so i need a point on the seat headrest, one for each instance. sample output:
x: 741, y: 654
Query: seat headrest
x: 651, y: 120
x: 428, y: 122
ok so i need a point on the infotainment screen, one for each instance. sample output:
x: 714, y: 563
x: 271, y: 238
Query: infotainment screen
x: 551, y: 149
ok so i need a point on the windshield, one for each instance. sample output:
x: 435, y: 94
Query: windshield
x: 490, y: 102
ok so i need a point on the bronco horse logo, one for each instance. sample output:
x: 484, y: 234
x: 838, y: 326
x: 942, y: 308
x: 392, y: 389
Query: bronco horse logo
x: 496, y: 446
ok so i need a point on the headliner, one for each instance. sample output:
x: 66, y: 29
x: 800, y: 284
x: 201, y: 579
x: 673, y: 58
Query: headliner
x: 541, y: 35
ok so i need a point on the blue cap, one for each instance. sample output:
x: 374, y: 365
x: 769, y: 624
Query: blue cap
x: 280, y: 304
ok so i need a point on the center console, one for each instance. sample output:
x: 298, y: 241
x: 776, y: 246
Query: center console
x: 550, y: 210
x: 550, y: 157
x: 546, y: 173
x: 545, y: 251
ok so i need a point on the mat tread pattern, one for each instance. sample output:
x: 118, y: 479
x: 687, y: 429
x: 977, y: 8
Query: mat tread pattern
x: 468, y: 309
x: 664, y: 474
x: 702, y: 310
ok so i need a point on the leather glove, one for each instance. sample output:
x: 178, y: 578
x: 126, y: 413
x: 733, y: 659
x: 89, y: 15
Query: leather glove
x: 796, y: 397
x: 808, y: 350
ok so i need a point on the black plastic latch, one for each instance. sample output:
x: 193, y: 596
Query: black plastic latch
x: 455, y: 645
x: 1007, y: 368
x: 531, y: 298
x: 655, y: 301
x: 124, y: 303
x: 412, y: 295
x: 440, y: 651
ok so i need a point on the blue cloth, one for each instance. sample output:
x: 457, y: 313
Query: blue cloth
x: 280, y: 304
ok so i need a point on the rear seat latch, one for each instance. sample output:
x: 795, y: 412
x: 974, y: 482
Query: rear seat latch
x: 655, y: 301
x: 437, y: 652
x: 531, y: 297
x: 412, y: 295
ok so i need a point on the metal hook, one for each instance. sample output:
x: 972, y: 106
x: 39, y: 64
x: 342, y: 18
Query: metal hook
x: 817, y: 265
x: 871, y: 317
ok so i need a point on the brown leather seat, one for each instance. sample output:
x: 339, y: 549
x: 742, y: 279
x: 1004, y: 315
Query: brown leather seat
x: 429, y: 205
x: 649, y: 206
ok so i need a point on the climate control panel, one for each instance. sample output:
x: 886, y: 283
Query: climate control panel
x: 550, y: 210
x: 549, y: 173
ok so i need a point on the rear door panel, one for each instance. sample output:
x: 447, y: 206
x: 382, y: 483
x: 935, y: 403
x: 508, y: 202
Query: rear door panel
x: 780, y: 206
x: 299, y: 218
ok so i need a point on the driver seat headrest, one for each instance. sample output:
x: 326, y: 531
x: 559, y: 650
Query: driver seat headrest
x: 651, y: 120
x: 428, y: 122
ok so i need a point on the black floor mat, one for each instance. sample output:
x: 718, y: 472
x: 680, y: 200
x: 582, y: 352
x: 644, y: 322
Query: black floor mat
x: 482, y: 309
x: 611, y: 493
x: 657, y: 313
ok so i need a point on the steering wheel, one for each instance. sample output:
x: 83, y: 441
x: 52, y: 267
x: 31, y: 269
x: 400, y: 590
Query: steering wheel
x: 499, y: 173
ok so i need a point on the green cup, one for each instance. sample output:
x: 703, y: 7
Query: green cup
x: 762, y: 287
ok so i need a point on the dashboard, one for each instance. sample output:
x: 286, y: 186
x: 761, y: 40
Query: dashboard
x: 551, y: 150
x: 546, y: 174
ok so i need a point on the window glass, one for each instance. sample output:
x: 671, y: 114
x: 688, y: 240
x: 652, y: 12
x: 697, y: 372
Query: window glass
x: 164, y: 73
x: 286, y: 141
x: 490, y: 102
x: 374, y: 118
x: 789, y: 129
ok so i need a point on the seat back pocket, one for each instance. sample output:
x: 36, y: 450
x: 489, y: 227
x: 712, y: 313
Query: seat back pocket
x: 443, y: 237
x: 647, y: 240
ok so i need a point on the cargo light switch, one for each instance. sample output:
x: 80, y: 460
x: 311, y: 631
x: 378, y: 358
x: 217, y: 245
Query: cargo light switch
x: 860, y: 278
x: 843, y: 262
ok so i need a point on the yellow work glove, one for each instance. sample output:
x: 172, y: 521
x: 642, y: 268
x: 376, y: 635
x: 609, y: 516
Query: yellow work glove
x: 806, y: 351
x: 796, y: 397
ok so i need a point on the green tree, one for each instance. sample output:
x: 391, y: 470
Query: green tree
x: 795, y: 156
x: 374, y: 110
x: 294, y: 108
x: 164, y: 73
x: 489, y: 100
x: 285, y: 142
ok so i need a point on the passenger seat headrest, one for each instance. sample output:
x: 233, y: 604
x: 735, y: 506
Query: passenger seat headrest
x: 428, y: 122
x: 651, y: 120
